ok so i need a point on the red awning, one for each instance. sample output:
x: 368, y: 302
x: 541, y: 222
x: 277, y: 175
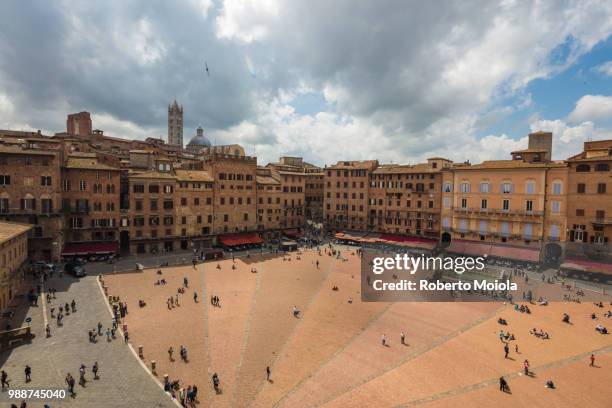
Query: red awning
x: 408, y: 241
x: 587, y: 266
x: 89, y: 248
x: 293, y: 233
x: 499, y: 251
x: 240, y: 239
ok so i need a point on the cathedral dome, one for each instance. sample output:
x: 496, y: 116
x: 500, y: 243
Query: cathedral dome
x: 199, y: 139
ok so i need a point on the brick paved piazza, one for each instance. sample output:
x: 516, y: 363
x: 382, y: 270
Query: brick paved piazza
x: 331, y: 356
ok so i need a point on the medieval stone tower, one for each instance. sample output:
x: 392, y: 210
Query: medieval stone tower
x: 175, y: 124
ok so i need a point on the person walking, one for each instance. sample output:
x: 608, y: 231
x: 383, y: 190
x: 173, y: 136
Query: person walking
x: 126, y: 337
x: 506, y: 350
x: 4, y: 379
x: 383, y: 339
x: 70, y: 383
x: 403, y: 338
x: 48, y: 330
x: 82, y: 379
x: 503, y: 384
x: 94, y: 370
x: 99, y: 328
x: 170, y: 351
x: 592, y: 360
x: 28, y: 373
x: 268, y: 372
x: 216, y: 382
x: 526, y: 367
x: 195, y: 297
x: 194, y: 390
x: 108, y: 334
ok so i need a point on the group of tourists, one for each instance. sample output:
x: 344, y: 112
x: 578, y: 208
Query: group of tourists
x: 539, y: 333
x: 60, y: 315
x: 215, y: 301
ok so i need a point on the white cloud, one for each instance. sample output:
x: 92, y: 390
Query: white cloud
x: 203, y: 6
x: 592, y: 107
x: 605, y: 68
x: 246, y: 21
x: 124, y: 128
x: 567, y: 140
x: 11, y: 119
x: 141, y: 43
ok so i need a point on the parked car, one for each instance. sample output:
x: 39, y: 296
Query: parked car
x: 41, y: 266
x: 75, y: 269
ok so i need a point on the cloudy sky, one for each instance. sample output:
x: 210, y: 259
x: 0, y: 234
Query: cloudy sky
x: 399, y: 81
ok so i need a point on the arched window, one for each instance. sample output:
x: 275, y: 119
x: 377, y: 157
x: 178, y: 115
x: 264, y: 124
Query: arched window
x: 583, y: 168
x: 602, y: 167
x: 28, y: 202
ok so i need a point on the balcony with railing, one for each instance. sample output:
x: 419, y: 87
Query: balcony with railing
x: 602, y: 221
x: 495, y: 213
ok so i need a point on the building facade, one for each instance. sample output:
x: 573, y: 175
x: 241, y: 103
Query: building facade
x: 90, y: 200
x: 269, y: 195
x: 13, y: 259
x: 30, y: 193
x: 346, y: 194
x: 234, y: 192
x: 195, y: 212
x: 407, y: 199
x: 589, y: 213
x: 522, y: 201
x: 83, y: 188
x: 314, y: 193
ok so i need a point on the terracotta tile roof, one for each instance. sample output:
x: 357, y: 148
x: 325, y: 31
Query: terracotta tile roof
x: 193, y: 175
x: 153, y: 174
x: 351, y: 165
x: 291, y: 173
x: 9, y: 230
x: 267, y: 180
x: 89, y: 162
x: 142, y: 151
x: 27, y: 152
x: 581, y: 158
x: 598, y: 144
x: 532, y: 150
x: 510, y: 164
x: 402, y: 169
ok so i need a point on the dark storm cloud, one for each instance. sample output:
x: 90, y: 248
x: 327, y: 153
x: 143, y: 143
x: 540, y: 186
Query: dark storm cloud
x: 386, y: 54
